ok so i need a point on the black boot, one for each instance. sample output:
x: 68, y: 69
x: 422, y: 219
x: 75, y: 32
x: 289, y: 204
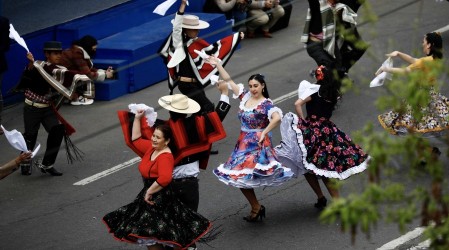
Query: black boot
x: 48, y: 169
x: 321, y: 203
x: 53, y: 171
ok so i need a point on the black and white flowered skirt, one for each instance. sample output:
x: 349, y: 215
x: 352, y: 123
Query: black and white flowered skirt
x: 167, y: 222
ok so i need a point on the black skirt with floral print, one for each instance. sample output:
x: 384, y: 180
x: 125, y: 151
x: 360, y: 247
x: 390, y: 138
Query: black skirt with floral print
x: 168, y: 221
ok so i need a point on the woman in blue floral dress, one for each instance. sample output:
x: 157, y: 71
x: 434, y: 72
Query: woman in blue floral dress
x: 313, y: 143
x: 253, y: 162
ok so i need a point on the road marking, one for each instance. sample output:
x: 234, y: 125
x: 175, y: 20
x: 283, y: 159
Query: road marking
x: 443, y: 29
x: 107, y: 172
x: 284, y: 97
x: 404, y: 238
x: 423, y: 245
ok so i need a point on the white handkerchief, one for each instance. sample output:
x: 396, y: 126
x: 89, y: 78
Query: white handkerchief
x: 36, y: 150
x: 149, y: 112
x: 213, y: 79
x: 201, y: 54
x: 307, y: 89
x: 14, y: 35
x: 16, y: 140
x: 162, y: 8
x: 379, y: 80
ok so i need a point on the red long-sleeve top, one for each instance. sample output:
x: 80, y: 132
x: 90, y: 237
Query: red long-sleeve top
x: 161, y: 168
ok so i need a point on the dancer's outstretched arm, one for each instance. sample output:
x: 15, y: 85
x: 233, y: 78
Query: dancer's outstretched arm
x: 212, y: 60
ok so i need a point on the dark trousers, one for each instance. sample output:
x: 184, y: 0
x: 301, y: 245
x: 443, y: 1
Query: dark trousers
x: 321, y: 57
x: 195, y: 91
x: 33, y: 117
x: 187, y: 192
x: 352, y: 51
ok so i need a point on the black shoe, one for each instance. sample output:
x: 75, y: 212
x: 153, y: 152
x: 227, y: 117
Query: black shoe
x: 53, y: 171
x: 321, y: 203
x: 48, y: 169
x: 254, y: 216
x: 214, y: 152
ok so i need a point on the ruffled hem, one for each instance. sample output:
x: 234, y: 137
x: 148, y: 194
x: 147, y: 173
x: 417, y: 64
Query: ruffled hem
x: 341, y: 176
x: 247, y: 171
x: 403, y: 129
x: 288, y: 151
x: 274, y: 180
x: 318, y: 171
x: 149, y: 241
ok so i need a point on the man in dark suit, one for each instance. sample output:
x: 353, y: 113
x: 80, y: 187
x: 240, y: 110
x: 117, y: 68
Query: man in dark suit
x: 4, y: 46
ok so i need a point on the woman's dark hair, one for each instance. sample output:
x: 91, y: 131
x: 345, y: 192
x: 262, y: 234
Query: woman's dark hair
x: 261, y: 78
x: 436, y: 45
x: 87, y: 42
x: 329, y: 86
x: 166, y: 131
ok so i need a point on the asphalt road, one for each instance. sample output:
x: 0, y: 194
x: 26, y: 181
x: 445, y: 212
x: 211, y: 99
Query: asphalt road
x: 44, y: 212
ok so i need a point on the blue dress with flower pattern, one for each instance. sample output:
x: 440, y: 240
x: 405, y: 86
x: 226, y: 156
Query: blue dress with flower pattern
x: 251, y: 165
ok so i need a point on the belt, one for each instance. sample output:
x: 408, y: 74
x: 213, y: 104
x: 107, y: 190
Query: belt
x: 36, y: 104
x: 186, y: 79
x: 314, y: 39
x: 185, y: 179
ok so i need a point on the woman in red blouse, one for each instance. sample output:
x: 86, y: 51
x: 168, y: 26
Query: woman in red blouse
x: 144, y: 221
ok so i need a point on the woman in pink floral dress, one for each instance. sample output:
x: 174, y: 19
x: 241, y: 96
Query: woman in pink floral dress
x: 313, y: 145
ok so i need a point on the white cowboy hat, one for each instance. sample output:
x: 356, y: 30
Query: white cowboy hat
x: 179, y: 103
x: 193, y: 22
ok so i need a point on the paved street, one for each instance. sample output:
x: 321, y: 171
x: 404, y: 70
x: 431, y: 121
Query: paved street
x: 44, y: 212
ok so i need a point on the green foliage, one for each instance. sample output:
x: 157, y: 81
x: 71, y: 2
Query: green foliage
x: 407, y: 180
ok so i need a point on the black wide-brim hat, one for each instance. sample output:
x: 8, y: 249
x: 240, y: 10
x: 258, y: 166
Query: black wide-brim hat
x: 53, y: 45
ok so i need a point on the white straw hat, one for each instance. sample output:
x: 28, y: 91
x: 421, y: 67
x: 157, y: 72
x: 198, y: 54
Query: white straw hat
x: 193, y: 22
x: 179, y: 103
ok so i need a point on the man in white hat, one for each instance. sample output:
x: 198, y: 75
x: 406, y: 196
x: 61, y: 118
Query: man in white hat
x: 192, y: 139
x: 186, y: 68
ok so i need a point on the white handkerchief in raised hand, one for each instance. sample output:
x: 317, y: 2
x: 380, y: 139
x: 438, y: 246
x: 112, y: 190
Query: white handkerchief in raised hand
x: 162, y: 8
x: 213, y: 79
x: 149, y: 112
x: 13, y: 34
x: 307, y: 89
x: 379, y: 80
x: 201, y: 54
